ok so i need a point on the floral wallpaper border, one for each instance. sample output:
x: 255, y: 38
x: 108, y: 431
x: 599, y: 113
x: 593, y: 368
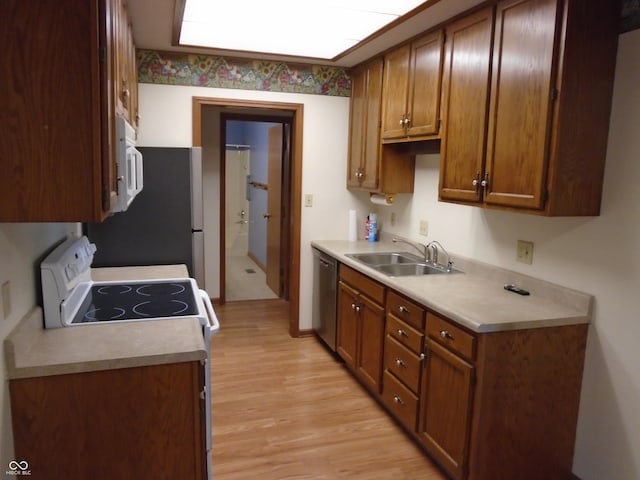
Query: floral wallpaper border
x: 174, y: 68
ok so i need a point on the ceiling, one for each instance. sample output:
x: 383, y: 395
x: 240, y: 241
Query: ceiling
x: 153, y: 21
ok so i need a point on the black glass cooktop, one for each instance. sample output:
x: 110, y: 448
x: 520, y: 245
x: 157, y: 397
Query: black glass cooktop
x: 136, y: 301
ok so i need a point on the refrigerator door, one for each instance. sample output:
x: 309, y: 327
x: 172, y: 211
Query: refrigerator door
x: 157, y: 227
x: 198, y: 257
x: 197, y: 215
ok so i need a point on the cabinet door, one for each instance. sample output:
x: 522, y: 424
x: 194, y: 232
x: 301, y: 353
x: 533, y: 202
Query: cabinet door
x: 445, y: 410
x: 464, y: 106
x: 395, y: 91
x: 521, y: 102
x: 425, y: 77
x: 347, y: 332
x: 357, y: 119
x: 371, y: 335
x: 51, y: 91
x: 364, y: 141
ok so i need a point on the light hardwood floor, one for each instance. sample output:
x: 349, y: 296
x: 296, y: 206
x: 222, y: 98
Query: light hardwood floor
x: 284, y: 408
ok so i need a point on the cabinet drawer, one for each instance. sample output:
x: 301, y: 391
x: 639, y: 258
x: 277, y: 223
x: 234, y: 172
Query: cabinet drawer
x: 400, y: 400
x: 362, y: 283
x: 403, y: 363
x: 453, y: 337
x: 405, y: 334
x: 406, y: 310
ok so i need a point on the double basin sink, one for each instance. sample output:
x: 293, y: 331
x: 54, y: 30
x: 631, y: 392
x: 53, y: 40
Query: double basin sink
x: 399, y: 264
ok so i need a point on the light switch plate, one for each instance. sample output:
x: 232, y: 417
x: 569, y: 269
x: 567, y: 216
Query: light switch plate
x: 308, y: 200
x: 524, y: 253
x: 6, y: 299
x: 424, y: 228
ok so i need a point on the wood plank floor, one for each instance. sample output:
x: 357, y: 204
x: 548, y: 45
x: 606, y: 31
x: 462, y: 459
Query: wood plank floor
x: 284, y: 408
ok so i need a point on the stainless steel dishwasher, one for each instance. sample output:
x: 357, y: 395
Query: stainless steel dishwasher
x: 325, y: 277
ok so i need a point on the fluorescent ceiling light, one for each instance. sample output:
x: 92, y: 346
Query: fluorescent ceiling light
x: 287, y: 27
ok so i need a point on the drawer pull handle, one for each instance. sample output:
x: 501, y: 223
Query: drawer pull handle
x: 403, y: 309
x: 353, y: 306
x: 398, y: 400
x: 400, y: 362
x: 402, y: 333
x: 446, y: 335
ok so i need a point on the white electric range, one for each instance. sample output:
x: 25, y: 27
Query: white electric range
x: 72, y: 299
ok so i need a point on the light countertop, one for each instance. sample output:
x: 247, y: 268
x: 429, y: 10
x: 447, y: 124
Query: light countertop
x: 476, y: 298
x: 32, y: 351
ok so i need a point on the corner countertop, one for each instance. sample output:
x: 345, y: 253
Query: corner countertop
x: 32, y: 351
x: 476, y: 299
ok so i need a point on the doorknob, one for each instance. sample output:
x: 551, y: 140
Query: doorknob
x: 267, y: 216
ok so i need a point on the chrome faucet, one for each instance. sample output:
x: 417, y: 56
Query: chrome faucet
x: 424, y: 251
x: 434, y: 245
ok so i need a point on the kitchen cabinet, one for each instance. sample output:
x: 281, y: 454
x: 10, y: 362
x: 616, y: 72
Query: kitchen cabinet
x: 445, y: 409
x: 483, y: 405
x: 411, y: 90
x: 403, y: 357
x: 141, y: 422
x: 549, y: 103
x: 465, y: 100
x: 58, y: 78
x: 372, y: 166
x: 126, y: 74
x: 360, y: 329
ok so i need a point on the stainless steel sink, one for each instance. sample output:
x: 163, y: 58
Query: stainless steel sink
x: 399, y: 264
x: 409, y: 269
x: 385, y: 258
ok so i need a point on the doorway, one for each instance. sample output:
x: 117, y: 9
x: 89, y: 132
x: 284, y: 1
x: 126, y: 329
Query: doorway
x: 255, y: 165
x: 291, y: 185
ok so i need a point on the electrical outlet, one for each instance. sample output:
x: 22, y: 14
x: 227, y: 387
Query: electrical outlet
x: 6, y: 299
x: 308, y: 200
x: 393, y: 218
x: 524, y: 253
x: 424, y: 228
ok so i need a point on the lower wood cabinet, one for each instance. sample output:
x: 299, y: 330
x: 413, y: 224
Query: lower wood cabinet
x: 483, y: 406
x: 142, y: 422
x: 445, y: 408
x: 360, y: 331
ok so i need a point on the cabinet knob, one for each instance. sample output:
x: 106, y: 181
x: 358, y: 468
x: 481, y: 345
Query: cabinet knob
x: 485, y: 181
x: 446, y: 335
x: 400, y: 362
x: 398, y: 400
x: 403, y: 309
x: 402, y: 333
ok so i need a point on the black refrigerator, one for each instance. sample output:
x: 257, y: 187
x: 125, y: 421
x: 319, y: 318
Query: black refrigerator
x: 163, y: 225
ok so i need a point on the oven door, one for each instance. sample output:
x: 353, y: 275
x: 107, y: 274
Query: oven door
x: 208, y: 331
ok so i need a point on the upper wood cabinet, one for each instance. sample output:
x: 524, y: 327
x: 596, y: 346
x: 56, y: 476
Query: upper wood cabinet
x: 126, y: 78
x: 372, y: 166
x: 411, y: 90
x: 364, y: 144
x: 58, y: 112
x: 465, y: 99
x: 549, y: 105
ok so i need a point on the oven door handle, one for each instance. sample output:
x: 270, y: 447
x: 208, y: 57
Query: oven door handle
x: 214, y: 325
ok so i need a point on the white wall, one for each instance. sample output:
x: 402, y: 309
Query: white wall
x: 598, y: 255
x: 22, y: 247
x: 166, y: 121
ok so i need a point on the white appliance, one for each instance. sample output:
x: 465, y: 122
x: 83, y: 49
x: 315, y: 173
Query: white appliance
x: 71, y: 299
x: 165, y: 223
x: 129, y: 165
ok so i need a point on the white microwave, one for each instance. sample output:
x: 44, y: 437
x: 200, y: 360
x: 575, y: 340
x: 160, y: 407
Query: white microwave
x: 129, y: 166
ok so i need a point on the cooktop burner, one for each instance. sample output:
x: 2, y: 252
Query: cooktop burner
x: 136, y: 301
